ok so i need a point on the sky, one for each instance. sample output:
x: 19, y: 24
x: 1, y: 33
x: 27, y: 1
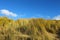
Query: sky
x: 15, y: 9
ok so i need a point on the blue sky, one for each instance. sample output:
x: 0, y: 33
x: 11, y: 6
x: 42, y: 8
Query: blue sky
x: 30, y: 9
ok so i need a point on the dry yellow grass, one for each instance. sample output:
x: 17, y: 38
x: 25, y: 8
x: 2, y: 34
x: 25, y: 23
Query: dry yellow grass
x: 29, y: 29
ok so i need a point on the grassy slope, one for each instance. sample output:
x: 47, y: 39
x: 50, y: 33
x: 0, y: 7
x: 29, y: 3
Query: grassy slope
x: 29, y: 29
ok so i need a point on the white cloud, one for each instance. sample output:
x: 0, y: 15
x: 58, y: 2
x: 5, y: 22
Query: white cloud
x: 7, y: 13
x: 56, y: 17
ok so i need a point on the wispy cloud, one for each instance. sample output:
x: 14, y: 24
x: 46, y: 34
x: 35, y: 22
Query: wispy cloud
x: 56, y: 17
x: 8, y: 13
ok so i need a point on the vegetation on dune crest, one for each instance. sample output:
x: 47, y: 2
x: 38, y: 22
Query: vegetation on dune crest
x: 29, y: 29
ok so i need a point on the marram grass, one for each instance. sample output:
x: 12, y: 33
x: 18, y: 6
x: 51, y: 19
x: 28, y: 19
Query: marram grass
x: 29, y: 29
